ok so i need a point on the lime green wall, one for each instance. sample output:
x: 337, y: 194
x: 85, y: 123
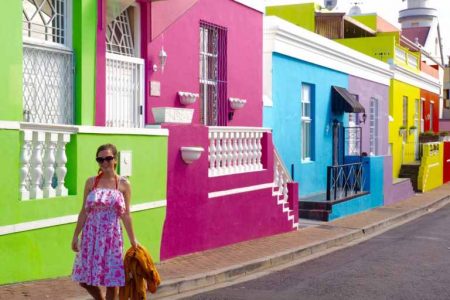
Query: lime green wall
x: 45, y: 253
x: 148, y: 181
x: 399, y: 89
x: 379, y: 47
x: 368, y: 20
x: 84, y: 47
x: 302, y: 15
x: 431, y: 167
x: 11, y: 61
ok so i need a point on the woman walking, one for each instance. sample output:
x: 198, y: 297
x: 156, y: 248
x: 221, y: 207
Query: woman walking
x: 99, y: 253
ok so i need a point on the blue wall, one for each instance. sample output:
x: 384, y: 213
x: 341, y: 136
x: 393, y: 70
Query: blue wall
x: 288, y: 75
x: 374, y: 199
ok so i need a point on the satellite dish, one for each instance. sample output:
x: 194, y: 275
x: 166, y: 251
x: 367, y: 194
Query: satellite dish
x: 355, y: 10
x: 330, y: 4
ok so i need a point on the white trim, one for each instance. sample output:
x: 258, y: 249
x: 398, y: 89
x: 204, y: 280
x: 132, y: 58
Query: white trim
x: 255, y: 4
x: 26, y: 226
x: 9, y: 125
x: 14, y: 125
x: 421, y: 80
x: 119, y: 130
x: 285, y: 38
x: 238, y: 128
x: 240, y: 190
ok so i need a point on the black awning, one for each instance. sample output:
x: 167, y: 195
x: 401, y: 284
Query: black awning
x: 343, y: 101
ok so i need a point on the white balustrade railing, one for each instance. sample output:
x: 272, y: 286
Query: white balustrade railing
x: 43, y: 164
x: 234, y: 150
x: 281, y: 179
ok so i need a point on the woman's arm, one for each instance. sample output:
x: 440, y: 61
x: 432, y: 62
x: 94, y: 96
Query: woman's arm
x: 126, y: 216
x: 81, y: 216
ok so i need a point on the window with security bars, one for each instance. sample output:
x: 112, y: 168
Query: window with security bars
x: 307, y: 136
x: 119, y: 34
x: 45, y: 20
x: 47, y: 62
x: 213, y: 68
x: 124, y: 71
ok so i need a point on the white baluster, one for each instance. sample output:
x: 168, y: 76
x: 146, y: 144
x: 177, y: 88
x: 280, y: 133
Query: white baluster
x: 220, y: 164
x: 61, y: 160
x: 36, y: 165
x: 251, y: 154
x: 235, y: 152
x: 240, y: 149
x: 246, y: 153
x: 25, y: 162
x: 225, y: 153
x: 212, y: 154
x: 49, y: 164
x: 259, y: 149
x: 230, y: 153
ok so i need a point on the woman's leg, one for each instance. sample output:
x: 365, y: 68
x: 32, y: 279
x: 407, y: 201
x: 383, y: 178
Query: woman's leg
x: 94, y: 291
x: 112, y: 292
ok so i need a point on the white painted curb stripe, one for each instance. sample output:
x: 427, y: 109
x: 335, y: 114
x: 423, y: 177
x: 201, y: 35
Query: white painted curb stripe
x: 240, y: 190
x: 20, y: 227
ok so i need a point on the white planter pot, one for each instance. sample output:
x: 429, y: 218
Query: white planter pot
x: 190, y: 154
x: 172, y: 115
x: 187, y: 98
x: 237, y: 103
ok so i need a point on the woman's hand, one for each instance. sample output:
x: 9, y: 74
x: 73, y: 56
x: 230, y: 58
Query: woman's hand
x: 134, y: 244
x: 75, y: 244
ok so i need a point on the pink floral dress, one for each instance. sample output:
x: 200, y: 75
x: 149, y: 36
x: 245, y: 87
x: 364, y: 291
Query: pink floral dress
x: 99, y: 261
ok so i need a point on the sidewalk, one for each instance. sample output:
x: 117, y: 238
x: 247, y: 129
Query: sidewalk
x: 203, y: 269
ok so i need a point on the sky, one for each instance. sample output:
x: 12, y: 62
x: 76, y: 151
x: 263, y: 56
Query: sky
x: 388, y: 9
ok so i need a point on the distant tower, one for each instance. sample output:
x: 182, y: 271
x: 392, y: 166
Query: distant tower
x: 420, y: 24
x: 355, y: 10
x: 420, y: 13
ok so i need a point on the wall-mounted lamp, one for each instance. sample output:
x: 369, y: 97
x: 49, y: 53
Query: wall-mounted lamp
x: 162, y: 60
x: 363, y: 119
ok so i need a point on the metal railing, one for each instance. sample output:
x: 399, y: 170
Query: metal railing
x: 124, y: 91
x: 345, y: 181
x: 47, y: 85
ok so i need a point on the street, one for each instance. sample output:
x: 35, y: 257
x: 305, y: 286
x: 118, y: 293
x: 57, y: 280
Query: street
x: 409, y: 262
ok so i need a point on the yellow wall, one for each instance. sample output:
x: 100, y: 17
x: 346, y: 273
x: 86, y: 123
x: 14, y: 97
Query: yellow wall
x: 431, y: 168
x: 398, y: 90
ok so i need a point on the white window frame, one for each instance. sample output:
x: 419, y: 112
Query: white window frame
x: 306, y: 118
x: 203, y: 73
x: 68, y: 13
x: 405, y: 116
x: 373, y: 126
x: 431, y: 115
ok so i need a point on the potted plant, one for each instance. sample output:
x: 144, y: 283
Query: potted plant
x: 444, y: 136
x: 428, y: 137
x: 412, y: 129
x: 402, y: 130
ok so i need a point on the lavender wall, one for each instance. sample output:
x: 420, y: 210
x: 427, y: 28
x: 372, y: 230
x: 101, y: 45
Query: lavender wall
x: 195, y: 222
x: 365, y: 90
x: 244, y: 58
x: 394, y: 192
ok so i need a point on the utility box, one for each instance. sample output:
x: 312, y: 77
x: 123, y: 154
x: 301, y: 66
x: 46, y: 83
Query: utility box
x: 125, y: 163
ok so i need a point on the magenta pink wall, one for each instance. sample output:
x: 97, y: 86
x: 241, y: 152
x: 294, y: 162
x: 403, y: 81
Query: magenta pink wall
x: 244, y: 58
x: 100, y: 65
x: 196, y: 223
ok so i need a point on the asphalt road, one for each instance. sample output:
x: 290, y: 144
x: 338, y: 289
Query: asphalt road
x: 409, y: 262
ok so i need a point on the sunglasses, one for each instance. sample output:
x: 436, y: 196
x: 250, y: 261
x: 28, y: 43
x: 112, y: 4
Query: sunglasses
x: 100, y: 160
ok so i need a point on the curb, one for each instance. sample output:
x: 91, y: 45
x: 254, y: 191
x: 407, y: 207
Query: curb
x: 177, y: 287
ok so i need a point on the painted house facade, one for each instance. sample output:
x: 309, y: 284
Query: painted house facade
x: 317, y: 121
x: 177, y: 88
